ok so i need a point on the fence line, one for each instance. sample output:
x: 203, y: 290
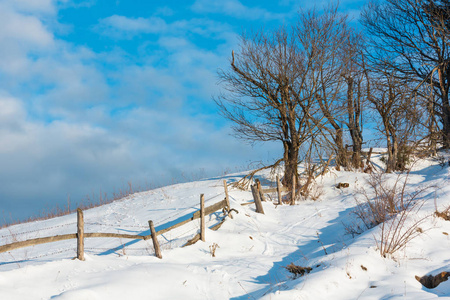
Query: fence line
x: 80, y: 235
x: 124, y: 227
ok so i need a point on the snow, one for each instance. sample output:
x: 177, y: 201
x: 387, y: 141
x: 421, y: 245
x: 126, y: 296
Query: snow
x: 253, y: 251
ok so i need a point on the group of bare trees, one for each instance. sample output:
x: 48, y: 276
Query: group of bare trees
x: 309, y: 85
x: 409, y: 42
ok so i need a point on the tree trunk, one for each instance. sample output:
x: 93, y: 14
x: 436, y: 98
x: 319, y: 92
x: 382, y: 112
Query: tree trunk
x: 446, y: 124
x: 341, y: 152
x: 395, y: 152
x: 357, y: 148
x: 291, y: 165
x: 443, y: 75
x: 354, y: 113
x: 392, y: 157
x: 432, y: 126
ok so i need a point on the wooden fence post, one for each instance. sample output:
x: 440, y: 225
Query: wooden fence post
x: 80, y: 234
x: 368, y: 156
x: 155, y: 240
x: 280, y: 201
x: 261, y: 194
x: 225, y: 186
x: 293, y: 190
x: 258, y: 204
x: 202, y: 217
x: 227, y: 198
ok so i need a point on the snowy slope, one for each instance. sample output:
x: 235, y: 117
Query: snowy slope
x: 254, y: 248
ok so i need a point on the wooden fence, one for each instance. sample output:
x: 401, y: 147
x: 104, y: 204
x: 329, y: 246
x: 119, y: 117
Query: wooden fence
x: 81, y: 235
x: 258, y: 192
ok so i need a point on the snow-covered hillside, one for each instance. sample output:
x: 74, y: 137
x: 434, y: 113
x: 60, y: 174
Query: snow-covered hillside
x: 253, y: 249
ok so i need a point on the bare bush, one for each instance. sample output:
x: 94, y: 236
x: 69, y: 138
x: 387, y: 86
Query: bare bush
x: 316, y: 191
x: 392, y: 207
x: 398, y: 231
x: 385, y: 200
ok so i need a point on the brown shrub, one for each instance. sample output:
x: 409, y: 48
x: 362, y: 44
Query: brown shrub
x: 392, y: 207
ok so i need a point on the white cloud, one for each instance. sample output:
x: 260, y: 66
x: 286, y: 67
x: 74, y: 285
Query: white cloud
x: 33, y: 6
x: 124, y: 27
x: 12, y: 113
x: 20, y: 35
x: 203, y: 27
x: 24, y: 29
x: 43, y: 162
x: 235, y: 9
x: 73, y: 121
x: 164, y: 11
x: 55, y: 77
x: 173, y: 43
x: 75, y: 4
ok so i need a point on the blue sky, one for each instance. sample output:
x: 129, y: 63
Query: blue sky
x: 97, y: 93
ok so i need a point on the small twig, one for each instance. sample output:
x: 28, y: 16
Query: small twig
x: 323, y: 247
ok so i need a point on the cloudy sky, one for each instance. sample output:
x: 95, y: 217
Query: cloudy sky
x: 97, y: 93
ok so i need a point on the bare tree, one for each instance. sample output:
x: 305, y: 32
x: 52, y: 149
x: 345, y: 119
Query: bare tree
x: 269, y: 94
x: 323, y: 36
x: 398, y: 109
x: 357, y: 92
x: 339, y: 79
x: 415, y: 34
x: 301, y: 86
x: 296, y: 86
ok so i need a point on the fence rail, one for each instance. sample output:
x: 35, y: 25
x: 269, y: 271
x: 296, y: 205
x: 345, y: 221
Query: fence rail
x: 81, y: 235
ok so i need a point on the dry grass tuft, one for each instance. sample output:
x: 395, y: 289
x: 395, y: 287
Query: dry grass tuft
x: 444, y: 214
x: 298, y: 271
x: 212, y: 249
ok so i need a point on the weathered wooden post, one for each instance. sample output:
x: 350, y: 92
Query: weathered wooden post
x: 227, y: 198
x: 155, y: 240
x: 258, y: 204
x: 325, y: 168
x: 369, y: 155
x: 280, y: 200
x: 225, y: 186
x: 202, y: 217
x: 80, y: 234
x: 261, y: 194
x: 293, y: 190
